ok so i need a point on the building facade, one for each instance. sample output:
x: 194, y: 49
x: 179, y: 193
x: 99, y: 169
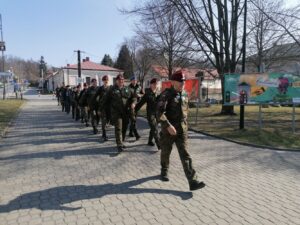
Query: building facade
x: 68, y: 75
x: 210, y: 86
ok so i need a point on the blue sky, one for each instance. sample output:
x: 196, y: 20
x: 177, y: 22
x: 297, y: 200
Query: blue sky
x: 55, y: 28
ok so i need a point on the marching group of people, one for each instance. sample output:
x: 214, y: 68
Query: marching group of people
x: 119, y: 104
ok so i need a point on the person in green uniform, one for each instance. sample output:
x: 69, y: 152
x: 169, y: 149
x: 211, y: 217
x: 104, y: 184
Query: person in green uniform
x: 83, y: 105
x: 136, y: 90
x: 102, y: 112
x: 120, y: 100
x: 92, y: 105
x: 172, y: 112
x: 150, y: 97
x: 76, y: 97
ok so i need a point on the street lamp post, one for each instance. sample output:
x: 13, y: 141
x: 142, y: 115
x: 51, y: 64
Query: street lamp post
x: 2, y: 49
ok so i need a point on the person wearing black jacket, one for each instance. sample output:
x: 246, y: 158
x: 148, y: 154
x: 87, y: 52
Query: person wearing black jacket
x: 150, y: 97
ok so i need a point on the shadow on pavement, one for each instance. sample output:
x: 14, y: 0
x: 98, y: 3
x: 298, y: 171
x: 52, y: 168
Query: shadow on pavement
x: 57, y: 154
x: 55, y: 198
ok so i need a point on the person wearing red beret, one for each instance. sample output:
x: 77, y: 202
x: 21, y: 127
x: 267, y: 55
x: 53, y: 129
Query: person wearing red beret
x: 172, y: 110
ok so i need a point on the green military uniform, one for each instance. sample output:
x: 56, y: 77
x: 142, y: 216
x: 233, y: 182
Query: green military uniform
x: 136, y: 90
x: 119, y: 100
x: 77, y: 108
x: 84, y: 107
x: 172, y: 109
x: 102, y: 111
x: 92, y: 106
x: 150, y: 98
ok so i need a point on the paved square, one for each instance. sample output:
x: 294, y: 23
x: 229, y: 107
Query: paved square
x: 55, y: 171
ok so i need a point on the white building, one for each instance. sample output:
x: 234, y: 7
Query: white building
x: 89, y: 70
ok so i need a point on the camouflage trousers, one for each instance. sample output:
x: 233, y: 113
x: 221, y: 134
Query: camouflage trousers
x: 85, y: 115
x: 153, y: 129
x: 94, y: 117
x: 104, y: 121
x: 180, y: 140
x: 132, y: 127
x: 120, y: 124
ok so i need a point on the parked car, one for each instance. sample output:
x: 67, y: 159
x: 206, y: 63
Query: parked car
x: 213, y: 101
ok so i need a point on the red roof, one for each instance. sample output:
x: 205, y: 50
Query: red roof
x: 190, y: 73
x: 89, y: 65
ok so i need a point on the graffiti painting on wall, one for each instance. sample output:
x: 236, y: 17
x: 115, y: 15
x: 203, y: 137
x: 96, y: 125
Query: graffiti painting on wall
x: 261, y: 88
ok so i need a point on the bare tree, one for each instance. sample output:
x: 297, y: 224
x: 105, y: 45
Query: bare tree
x: 266, y: 35
x: 217, y: 26
x: 288, y: 20
x: 162, y: 30
x: 142, y: 57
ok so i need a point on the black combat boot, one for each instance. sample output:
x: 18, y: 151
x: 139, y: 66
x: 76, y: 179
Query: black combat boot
x: 150, y: 143
x: 131, y: 134
x: 136, y: 134
x: 120, y: 149
x: 104, y: 136
x: 195, y: 185
x: 158, y: 147
x: 95, y: 130
x: 164, y: 176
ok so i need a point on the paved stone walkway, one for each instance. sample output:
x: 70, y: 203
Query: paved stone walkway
x: 55, y: 171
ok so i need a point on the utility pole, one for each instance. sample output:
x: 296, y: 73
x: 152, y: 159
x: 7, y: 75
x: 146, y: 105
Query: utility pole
x: 79, y: 64
x: 2, y: 49
x: 42, y: 71
x: 242, y: 106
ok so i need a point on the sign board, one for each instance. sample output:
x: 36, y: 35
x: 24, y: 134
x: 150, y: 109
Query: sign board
x: 2, y: 46
x: 5, y: 74
x: 296, y: 100
x: 260, y: 88
x: 190, y: 86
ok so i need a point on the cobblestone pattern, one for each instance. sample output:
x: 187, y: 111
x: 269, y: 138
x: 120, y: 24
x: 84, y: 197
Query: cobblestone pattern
x: 55, y: 171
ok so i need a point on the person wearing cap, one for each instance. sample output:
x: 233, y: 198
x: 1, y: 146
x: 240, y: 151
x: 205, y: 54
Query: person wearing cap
x: 67, y: 99
x: 62, y: 93
x: 150, y: 97
x: 136, y: 89
x: 73, y: 102
x: 83, y: 105
x: 76, y: 98
x: 92, y: 105
x: 172, y: 111
x: 120, y: 99
x: 101, y: 110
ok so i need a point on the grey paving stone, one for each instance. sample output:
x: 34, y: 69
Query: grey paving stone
x: 53, y: 170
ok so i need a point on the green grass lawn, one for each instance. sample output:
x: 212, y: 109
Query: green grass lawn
x: 276, y: 128
x: 8, y: 110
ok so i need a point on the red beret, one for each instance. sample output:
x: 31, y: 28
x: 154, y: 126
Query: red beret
x: 120, y: 77
x: 153, y: 81
x: 178, y: 76
x: 105, y: 77
x: 93, y: 80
